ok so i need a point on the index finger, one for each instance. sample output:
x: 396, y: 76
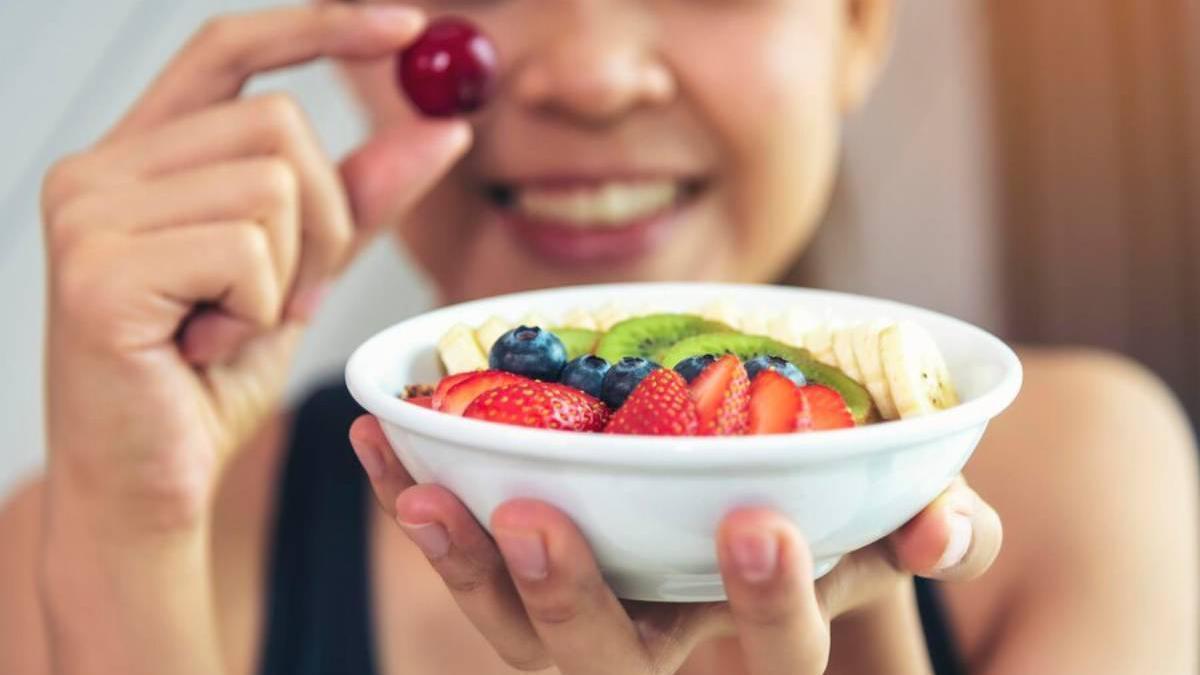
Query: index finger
x: 222, y: 56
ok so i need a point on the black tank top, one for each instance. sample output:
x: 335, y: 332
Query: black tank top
x: 319, y: 595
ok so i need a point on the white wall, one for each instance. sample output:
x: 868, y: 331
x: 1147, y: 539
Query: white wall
x: 916, y: 218
x: 69, y: 67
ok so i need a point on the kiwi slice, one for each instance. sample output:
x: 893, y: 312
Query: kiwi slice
x: 578, y: 341
x: 746, y: 347
x: 650, y: 336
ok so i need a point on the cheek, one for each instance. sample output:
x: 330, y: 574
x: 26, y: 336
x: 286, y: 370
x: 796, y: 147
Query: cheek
x: 769, y: 99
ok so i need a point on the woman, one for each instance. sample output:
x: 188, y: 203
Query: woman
x: 184, y: 525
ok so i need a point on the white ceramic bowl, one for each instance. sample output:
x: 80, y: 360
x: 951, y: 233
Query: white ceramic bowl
x: 650, y: 506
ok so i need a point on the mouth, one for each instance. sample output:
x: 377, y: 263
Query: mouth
x: 575, y: 221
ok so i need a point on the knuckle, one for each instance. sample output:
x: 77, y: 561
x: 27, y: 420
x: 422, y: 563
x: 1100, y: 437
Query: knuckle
x: 464, y: 584
x: 279, y: 178
x: 251, y: 244
x: 766, y: 612
x: 472, y: 576
x: 281, y: 113
x: 526, y: 661
x: 563, y: 605
x: 336, y: 236
x: 63, y: 225
x: 81, y: 286
x: 552, y: 610
x: 217, y: 32
x: 275, y: 183
x: 64, y: 178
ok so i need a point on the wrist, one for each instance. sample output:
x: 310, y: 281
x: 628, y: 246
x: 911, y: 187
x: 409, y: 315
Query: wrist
x: 126, y: 510
x: 121, y: 599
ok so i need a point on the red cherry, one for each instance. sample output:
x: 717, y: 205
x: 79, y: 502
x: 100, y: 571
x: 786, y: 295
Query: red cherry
x: 448, y: 70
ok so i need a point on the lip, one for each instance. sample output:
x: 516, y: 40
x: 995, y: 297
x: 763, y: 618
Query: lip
x: 568, y: 245
x: 565, y: 244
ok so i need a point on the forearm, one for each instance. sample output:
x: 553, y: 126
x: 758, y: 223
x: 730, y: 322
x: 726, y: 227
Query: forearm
x: 126, y: 602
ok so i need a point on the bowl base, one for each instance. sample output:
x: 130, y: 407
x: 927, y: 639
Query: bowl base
x: 687, y: 587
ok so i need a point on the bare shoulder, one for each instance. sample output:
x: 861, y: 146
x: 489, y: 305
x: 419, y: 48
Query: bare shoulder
x: 23, y: 647
x: 1094, y: 474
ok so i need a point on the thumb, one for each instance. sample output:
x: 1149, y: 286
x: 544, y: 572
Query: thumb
x: 390, y: 172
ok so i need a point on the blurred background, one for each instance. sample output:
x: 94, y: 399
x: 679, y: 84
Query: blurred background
x: 1030, y: 166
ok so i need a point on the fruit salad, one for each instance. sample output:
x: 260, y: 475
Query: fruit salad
x: 715, y: 372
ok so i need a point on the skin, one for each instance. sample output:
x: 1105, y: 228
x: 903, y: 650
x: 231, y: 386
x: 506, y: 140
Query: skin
x: 189, y: 247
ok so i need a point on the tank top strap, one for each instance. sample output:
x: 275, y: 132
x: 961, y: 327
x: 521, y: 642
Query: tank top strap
x: 318, y: 605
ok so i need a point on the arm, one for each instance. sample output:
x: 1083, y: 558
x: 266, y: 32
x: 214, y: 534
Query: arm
x: 23, y: 646
x: 1095, y: 474
x: 187, y: 250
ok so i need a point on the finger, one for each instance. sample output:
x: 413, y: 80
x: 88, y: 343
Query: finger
x: 384, y: 177
x: 387, y: 475
x: 957, y: 537
x: 218, y: 61
x: 583, y: 626
x: 262, y: 190
x: 164, y: 276
x: 270, y: 125
x: 860, y: 578
x: 467, y: 560
x: 212, y: 336
x: 391, y: 171
x: 767, y: 570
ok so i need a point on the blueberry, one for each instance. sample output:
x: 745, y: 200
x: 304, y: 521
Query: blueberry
x: 623, y: 378
x: 530, y: 352
x: 586, y: 374
x: 691, y: 367
x: 782, y: 366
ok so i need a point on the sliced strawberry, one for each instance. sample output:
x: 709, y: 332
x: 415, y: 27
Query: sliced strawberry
x: 822, y: 408
x: 423, y: 401
x: 722, y: 395
x: 659, y: 406
x: 539, y: 405
x: 444, y: 387
x: 774, y: 404
x: 461, y: 394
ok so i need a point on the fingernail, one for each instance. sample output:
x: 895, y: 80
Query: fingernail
x: 959, y: 542
x: 392, y: 17
x: 306, y: 303
x: 755, y: 555
x: 369, y: 457
x: 431, y: 538
x: 524, y: 553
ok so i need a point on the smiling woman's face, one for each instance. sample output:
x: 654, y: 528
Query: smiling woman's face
x: 641, y: 139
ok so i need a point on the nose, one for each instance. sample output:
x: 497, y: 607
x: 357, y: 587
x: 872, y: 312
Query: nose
x: 596, y: 62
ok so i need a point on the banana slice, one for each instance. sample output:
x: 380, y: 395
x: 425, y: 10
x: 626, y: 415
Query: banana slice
x: 866, y: 349
x: 609, y: 315
x: 535, y: 320
x: 724, y: 311
x: 757, y: 322
x: 579, y: 318
x: 460, y: 352
x: 916, y: 371
x: 791, y: 326
x: 843, y: 349
x: 819, y: 342
x: 490, y: 331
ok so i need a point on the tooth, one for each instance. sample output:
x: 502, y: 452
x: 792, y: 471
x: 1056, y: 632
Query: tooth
x: 581, y: 208
x: 608, y: 205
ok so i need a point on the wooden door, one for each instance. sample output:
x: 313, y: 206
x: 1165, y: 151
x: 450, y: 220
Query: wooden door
x: 1097, y: 134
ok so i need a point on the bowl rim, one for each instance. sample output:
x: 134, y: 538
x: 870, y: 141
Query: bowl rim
x: 677, y: 452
